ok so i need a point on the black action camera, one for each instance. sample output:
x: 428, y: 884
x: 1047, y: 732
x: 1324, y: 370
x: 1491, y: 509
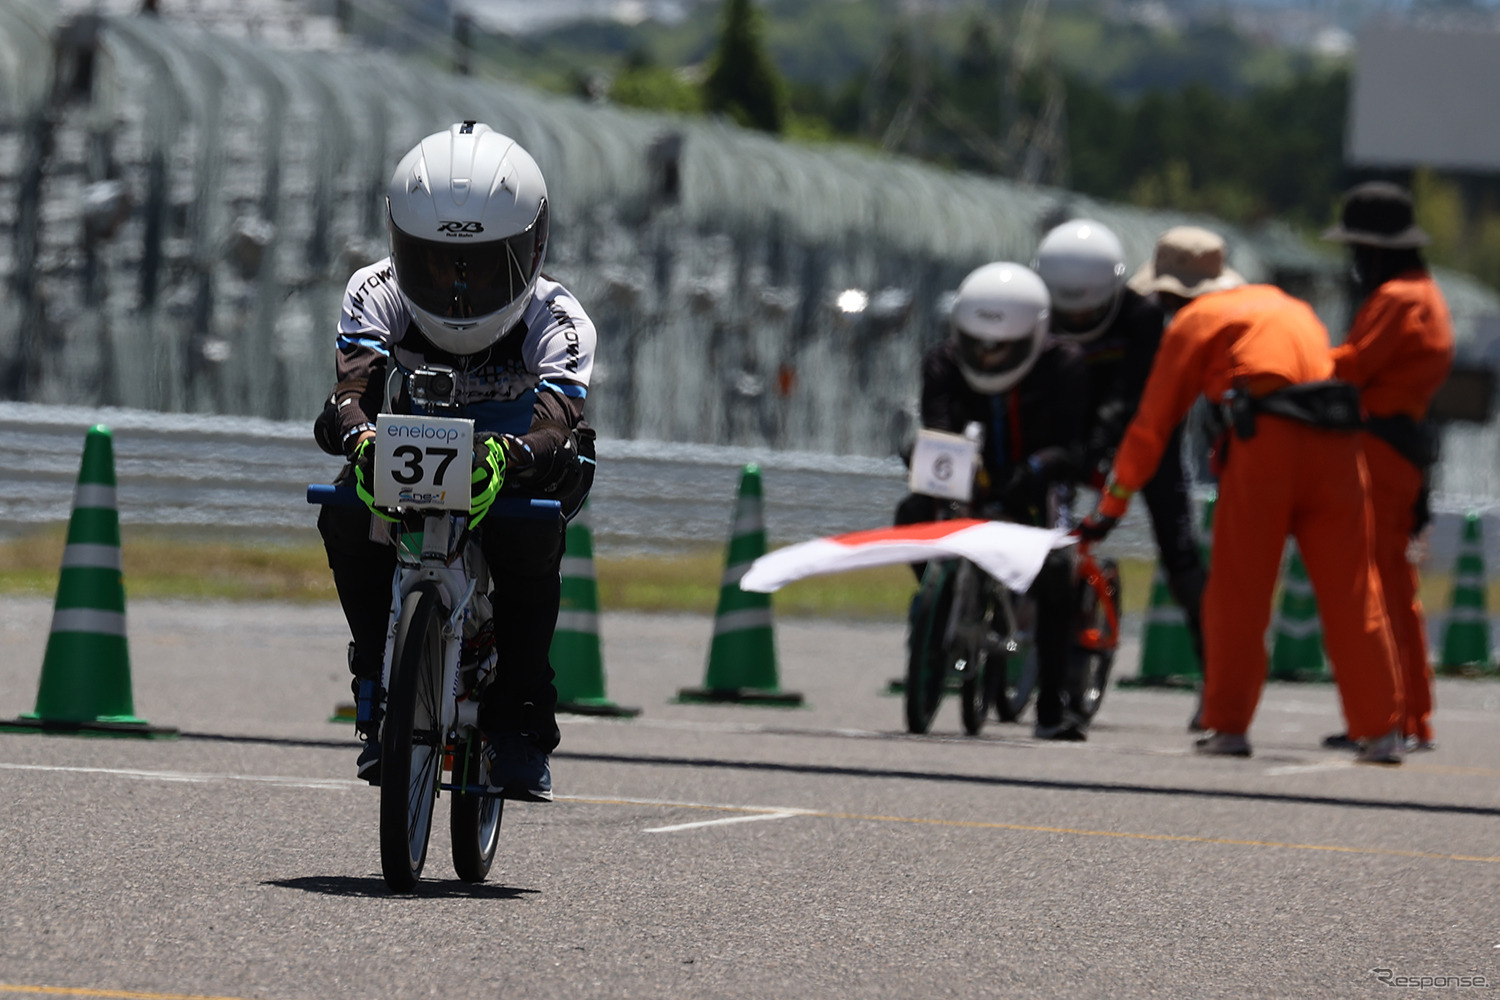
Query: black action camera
x: 434, y: 387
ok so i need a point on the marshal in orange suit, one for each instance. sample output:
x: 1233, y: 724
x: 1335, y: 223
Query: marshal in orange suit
x: 1293, y: 466
x: 1399, y: 351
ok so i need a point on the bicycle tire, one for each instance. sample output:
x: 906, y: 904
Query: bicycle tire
x: 411, y: 753
x: 1093, y: 664
x: 1016, y: 677
x: 977, y: 687
x: 474, y: 820
x: 927, y: 662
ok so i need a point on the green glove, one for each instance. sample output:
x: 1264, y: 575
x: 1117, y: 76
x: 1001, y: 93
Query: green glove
x: 363, y: 460
x: 490, y: 462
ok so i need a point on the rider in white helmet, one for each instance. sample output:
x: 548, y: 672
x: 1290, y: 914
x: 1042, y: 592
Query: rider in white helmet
x: 468, y: 218
x: 998, y: 368
x: 1083, y: 265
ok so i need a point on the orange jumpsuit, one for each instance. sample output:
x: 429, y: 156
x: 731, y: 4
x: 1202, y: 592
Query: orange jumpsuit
x: 1287, y: 479
x: 1399, y: 351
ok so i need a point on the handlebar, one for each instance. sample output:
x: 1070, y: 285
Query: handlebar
x: 518, y: 507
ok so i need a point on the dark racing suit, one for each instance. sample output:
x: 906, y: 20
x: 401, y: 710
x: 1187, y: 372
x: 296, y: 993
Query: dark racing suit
x: 1118, y: 362
x: 1034, y: 437
x: 532, y: 382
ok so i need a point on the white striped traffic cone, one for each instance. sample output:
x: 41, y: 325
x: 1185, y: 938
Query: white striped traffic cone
x: 85, y: 684
x: 742, y: 658
x: 576, y: 656
x: 1466, y: 638
x: 1298, y: 651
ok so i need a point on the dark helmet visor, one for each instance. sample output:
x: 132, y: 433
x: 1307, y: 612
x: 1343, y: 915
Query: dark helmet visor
x: 991, y: 357
x: 1079, y: 321
x: 463, y: 278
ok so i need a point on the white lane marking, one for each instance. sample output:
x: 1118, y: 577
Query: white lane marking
x: 1327, y: 765
x: 321, y: 784
x: 772, y: 814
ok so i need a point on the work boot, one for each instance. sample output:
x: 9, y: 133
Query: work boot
x: 1223, y: 745
x: 518, y: 769
x: 1387, y: 749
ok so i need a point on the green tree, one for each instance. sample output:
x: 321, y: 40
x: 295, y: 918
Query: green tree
x: 742, y: 81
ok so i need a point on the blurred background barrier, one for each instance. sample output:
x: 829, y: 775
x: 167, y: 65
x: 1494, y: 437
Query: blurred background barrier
x: 189, y: 203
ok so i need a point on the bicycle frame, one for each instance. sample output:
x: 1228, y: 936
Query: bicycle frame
x: 451, y: 560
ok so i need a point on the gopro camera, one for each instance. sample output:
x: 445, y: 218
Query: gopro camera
x: 434, y: 387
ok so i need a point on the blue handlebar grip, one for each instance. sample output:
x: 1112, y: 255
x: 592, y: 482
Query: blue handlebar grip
x: 333, y: 496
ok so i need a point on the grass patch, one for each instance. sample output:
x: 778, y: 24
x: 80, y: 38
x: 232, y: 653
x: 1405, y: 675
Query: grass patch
x: 162, y: 564
x: 159, y: 565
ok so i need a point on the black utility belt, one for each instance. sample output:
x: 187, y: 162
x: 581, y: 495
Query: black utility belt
x: 1414, y: 440
x: 1331, y: 406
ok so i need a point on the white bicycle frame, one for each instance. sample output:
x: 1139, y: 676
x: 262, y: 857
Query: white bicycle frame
x: 457, y: 576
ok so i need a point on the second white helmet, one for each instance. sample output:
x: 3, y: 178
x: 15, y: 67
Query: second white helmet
x: 1084, y: 268
x: 999, y: 322
x: 468, y: 228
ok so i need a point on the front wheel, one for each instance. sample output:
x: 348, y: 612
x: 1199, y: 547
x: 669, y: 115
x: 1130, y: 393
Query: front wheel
x: 927, y: 660
x: 474, y: 820
x: 412, y: 743
x: 1094, y: 643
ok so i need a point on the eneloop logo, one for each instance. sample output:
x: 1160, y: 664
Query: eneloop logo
x: 467, y: 228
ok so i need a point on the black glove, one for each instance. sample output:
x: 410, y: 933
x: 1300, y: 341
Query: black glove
x: 1421, y: 511
x: 1096, y: 527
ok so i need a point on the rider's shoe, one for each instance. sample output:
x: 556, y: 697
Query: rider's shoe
x: 1387, y: 749
x: 1223, y: 745
x: 1069, y: 730
x: 368, y: 767
x: 518, y: 769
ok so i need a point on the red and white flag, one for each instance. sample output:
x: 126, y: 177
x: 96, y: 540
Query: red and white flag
x: 1011, y: 553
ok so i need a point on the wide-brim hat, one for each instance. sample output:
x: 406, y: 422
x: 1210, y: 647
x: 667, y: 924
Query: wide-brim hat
x: 1379, y: 214
x: 1189, y: 262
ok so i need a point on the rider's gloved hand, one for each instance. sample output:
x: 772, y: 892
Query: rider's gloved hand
x: 498, y: 459
x: 362, y: 461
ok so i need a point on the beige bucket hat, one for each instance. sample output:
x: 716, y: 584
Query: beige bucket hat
x: 1189, y: 261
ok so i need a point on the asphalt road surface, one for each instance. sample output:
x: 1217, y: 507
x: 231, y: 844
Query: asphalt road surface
x: 734, y: 851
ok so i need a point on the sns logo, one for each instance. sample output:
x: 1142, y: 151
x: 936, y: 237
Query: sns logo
x: 421, y: 498
x: 460, y: 228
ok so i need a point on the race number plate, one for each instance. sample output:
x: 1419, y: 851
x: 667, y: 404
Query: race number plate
x: 942, y: 465
x: 423, y: 461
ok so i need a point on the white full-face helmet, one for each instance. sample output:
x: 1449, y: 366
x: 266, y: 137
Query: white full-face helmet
x: 1084, y: 268
x: 999, y: 321
x: 468, y: 225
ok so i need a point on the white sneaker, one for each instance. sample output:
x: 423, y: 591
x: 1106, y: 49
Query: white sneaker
x: 1223, y: 745
x: 1387, y: 749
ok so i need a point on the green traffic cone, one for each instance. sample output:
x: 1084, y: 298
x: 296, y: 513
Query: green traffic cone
x: 85, y: 683
x: 1298, y: 651
x: 1466, y: 638
x: 576, y: 656
x: 1167, y: 655
x: 742, y: 657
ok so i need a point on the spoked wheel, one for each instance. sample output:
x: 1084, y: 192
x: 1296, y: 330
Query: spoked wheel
x: 1094, y: 643
x: 984, y: 678
x: 473, y: 819
x: 927, y: 661
x: 1016, y: 672
x: 411, y: 750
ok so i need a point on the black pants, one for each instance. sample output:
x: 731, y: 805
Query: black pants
x: 1169, y: 503
x: 1055, y: 591
x: 524, y: 557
